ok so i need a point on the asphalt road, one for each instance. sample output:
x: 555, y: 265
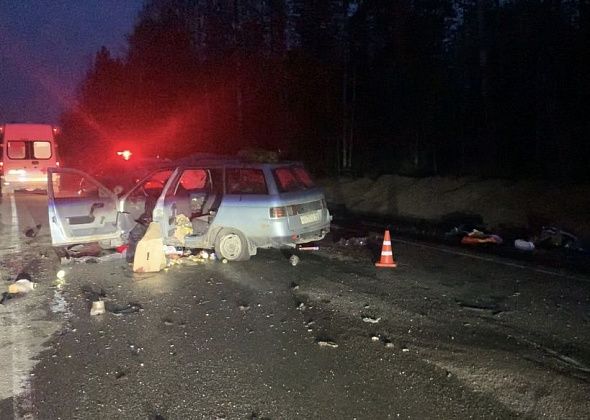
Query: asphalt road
x: 26, y: 323
x: 447, y: 334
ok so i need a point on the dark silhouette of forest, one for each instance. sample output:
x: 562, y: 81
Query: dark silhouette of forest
x: 418, y: 87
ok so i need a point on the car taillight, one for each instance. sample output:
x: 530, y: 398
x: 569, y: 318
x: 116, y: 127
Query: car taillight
x: 278, y: 212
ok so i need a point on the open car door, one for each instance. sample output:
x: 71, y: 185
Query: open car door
x: 141, y: 199
x: 81, y: 210
x: 188, y: 192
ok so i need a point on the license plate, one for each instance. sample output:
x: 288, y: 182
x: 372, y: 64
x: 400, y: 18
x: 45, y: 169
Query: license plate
x: 310, y: 217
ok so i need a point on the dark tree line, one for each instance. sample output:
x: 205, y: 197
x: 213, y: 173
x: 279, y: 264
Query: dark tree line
x: 482, y: 87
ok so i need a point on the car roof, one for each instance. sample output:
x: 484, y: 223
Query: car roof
x: 221, y: 162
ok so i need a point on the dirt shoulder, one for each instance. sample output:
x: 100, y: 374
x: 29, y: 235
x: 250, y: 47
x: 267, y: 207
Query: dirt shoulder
x: 499, y: 202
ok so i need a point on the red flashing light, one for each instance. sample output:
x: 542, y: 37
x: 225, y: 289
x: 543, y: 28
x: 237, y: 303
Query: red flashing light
x: 126, y: 154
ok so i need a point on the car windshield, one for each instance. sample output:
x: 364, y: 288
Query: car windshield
x: 292, y: 178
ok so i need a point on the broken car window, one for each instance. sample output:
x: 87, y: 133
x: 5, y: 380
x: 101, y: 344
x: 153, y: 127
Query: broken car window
x: 73, y: 185
x: 153, y: 184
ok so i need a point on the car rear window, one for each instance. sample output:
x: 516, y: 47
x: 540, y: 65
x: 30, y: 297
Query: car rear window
x: 293, y: 178
x: 41, y: 150
x: 27, y: 149
x: 17, y: 149
x: 245, y: 181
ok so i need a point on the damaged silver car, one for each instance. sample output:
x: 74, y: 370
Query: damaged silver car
x: 234, y: 207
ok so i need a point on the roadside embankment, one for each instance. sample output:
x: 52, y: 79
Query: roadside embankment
x: 525, y: 203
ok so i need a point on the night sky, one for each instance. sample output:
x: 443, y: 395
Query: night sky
x: 46, y: 46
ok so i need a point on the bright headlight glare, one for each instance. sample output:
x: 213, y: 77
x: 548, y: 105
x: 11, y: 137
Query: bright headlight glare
x: 17, y: 172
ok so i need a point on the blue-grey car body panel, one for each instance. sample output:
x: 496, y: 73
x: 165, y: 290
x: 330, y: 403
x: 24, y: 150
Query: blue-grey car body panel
x: 308, y: 218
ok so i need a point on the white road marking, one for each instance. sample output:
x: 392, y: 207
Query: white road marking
x: 21, y: 384
x: 493, y: 260
x: 14, y: 228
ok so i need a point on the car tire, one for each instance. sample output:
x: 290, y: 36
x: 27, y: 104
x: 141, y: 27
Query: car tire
x: 232, y: 245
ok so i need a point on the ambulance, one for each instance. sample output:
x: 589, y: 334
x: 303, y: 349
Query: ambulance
x: 27, y: 151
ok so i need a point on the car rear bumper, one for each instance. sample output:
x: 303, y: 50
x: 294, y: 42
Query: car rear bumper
x: 292, y: 239
x: 317, y: 235
x: 15, y: 182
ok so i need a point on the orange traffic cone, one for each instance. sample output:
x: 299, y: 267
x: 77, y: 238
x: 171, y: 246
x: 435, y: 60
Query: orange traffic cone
x: 386, y: 253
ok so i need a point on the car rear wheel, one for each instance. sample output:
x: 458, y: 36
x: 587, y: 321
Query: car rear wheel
x: 232, y: 245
